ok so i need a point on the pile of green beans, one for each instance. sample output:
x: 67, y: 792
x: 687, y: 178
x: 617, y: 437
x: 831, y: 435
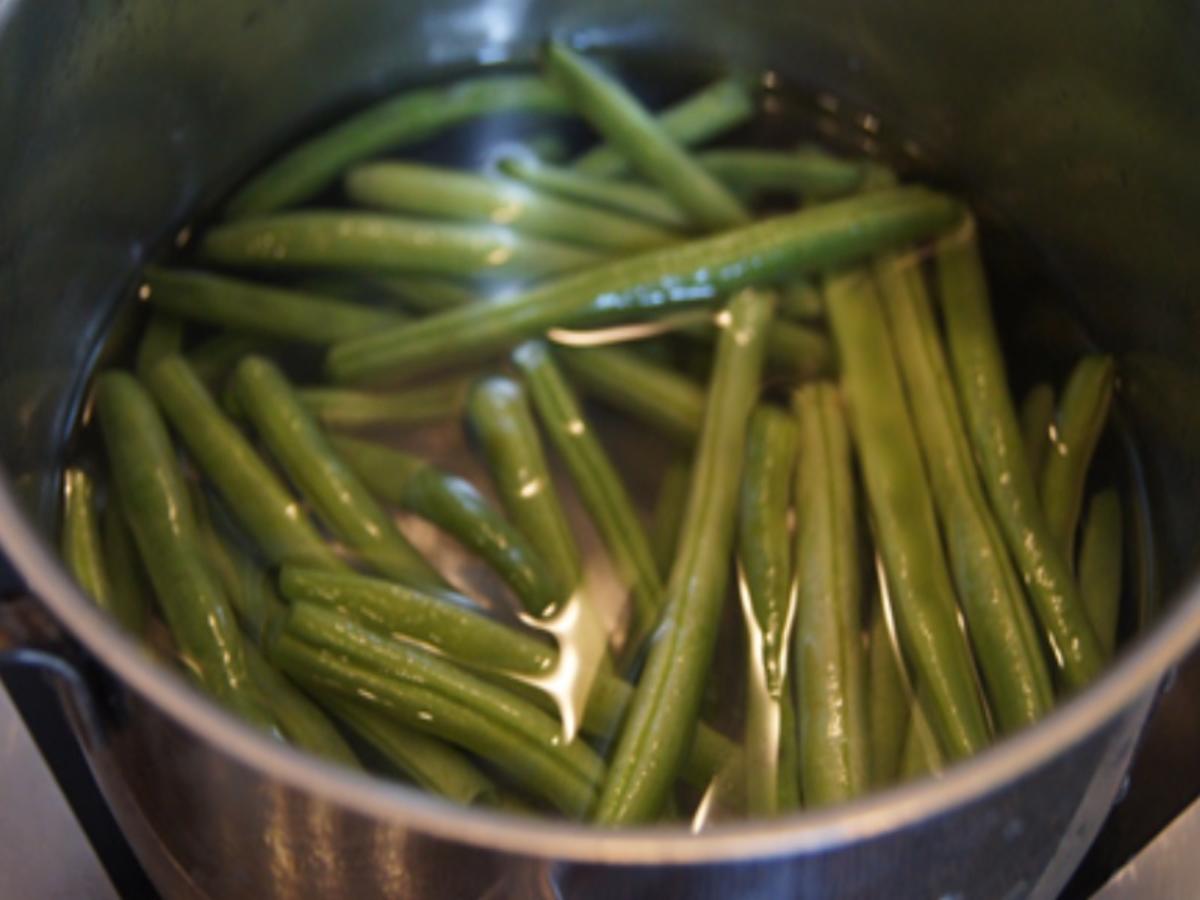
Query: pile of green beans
x: 379, y: 467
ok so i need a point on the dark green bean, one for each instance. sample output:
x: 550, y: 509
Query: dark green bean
x: 81, y: 546
x: 1082, y: 413
x: 921, y: 755
x: 259, y: 309
x: 618, y: 115
x: 396, y: 121
x: 426, y: 294
x: 901, y: 503
x: 821, y: 237
x: 832, y: 716
x: 996, y: 437
x: 717, y: 108
x: 1037, y: 415
x: 215, y: 358
x: 807, y: 172
x: 668, y: 512
x: 341, y: 408
x: 163, y: 336
x: 887, y: 700
x: 449, y: 194
x: 666, y: 702
x: 1000, y: 625
x: 341, y: 240
x: 296, y: 441
x: 126, y: 574
x: 258, y: 498
x: 1100, y: 561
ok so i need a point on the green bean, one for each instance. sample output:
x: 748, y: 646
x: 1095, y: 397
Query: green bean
x: 900, y: 501
x: 500, y: 418
x: 260, y: 310
x: 668, y: 512
x: 1000, y: 625
x: 666, y: 702
x: 1037, y: 415
x: 820, y: 237
x: 800, y: 351
x: 456, y: 507
x: 438, y: 698
x: 598, y: 483
x: 160, y: 517
x: 341, y: 499
x: 650, y: 393
x: 126, y: 574
x: 996, y: 437
x: 432, y: 764
x: 340, y: 408
x: 618, y: 115
x: 449, y: 194
x: 81, y: 545
x: 258, y: 498
x: 1100, y: 566
x: 799, y: 300
x: 372, y: 242
x: 921, y: 754
x: 472, y: 639
x: 215, y: 358
x: 807, y: 172
x: 834, y: 740
x: 887, y: 700
x: 1082, y: 413
x: 768, y: 600
x: 248, y: 586
x: 629, y: 198
x: 425, y: 294
x: 163, y: 336
x: 716, y: 108
x: 395, y: 122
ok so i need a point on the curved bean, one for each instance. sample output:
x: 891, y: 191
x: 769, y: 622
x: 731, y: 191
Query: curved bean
x: 1037, y: 415
x: 126, y: 574
x: 81, y: 546
x: 1100, y: 561
x: 887, y: 700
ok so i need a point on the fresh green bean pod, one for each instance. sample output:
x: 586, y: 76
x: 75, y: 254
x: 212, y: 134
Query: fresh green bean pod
x: 716, y: 108
x: 343, y: 408
x: 800, y: 351
x: 626, y: 197
x: 800, y: 301
x: 433, y: 696
x: 424, y: 294
x: 658, y: 280
x: 1037, y: 415
x: 261, y: 310
x: 834, y: 737
x: 650, y: 393
x: 668, y: 512
x: 455, y: 506
x: 901, y: 504
x: 394, y: 122
x: 82, y: 549
x: 469, y: 638
x: 500, y: 418
x: 666, y: 702
x: 372, y: 242
x: 599, y: 484
x: 921, y: 755
x: 296, y: 441
x: 160, y: 517
x: 996, y: 437
x: 1082, y: 414
x: 163, y: 336
x: 887, y: 700
x: 448, y: 194
x: 256, y: 495
x: 617, y: 114
x: 126, y: 574
x: 806, y: 172
x: 1100, y: 561
x: 1000, y: 625
x: 215, y: 358
x: 430, y: 763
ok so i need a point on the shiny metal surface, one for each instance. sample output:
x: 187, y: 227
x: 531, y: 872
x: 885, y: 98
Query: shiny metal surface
x: 118, y: 117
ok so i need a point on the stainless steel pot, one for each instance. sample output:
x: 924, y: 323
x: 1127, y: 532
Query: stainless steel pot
x: 117, y: 117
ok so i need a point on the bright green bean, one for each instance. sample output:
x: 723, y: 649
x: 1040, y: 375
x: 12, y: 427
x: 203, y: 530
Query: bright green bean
x: 821, y: 237
x: 81, y: 546
x: 630, y: 198
x: 500, y: 418
x: 887, y: 699
x: 668, y: 512
x: 261, y: 310
x: 296, y: 441
x: 394, y: 122
x: 1037, y: 415
x: 255, y: 494
x: 1000, y: 625
x: 160, y: 517
x: 449, y: 194
x: 666, y: 702
x: 1082, y: 413
x: 1100, y: 561
x: 341, y: 408
x: 215, y: 358
x: 901, y: 504
x: 163, y: 336
x: 599, y: 485
x: 618, y: 115
x: 807, y: 172
x: 834, y: 740
x: 372, y: 242
x: 996, y: 437
x: 126, y: 574
x: 714, y: 109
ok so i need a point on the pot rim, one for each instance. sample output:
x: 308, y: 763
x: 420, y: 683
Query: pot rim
x: 1136, y: 672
